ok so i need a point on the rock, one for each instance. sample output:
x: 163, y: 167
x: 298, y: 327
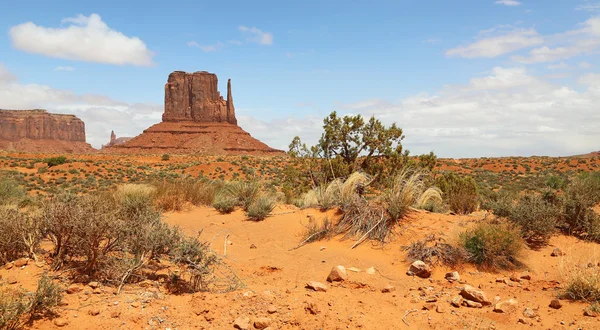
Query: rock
x: 525, y: 276
x: 94, y: 285
x: 262, y: 322
x: 312, y: 308
x: 114, y: 141
x: 370, y: 271
x: 388, y: 288
x: 316, y: 286
x: 591, y: 312
x: 115, y: 314
x: 272, y: 309
x: 472, y: 304
x: 11, y: 280
x: 429, y: 307
x: 135, y: 304
x: 8, y: 265
x: 440, y: 308
x: 242, y: 323
x: 470, y: 293
x: 515, y: 278
x: 97, y: 291
x: 555, y: 303
x: 94, y: 311
x: 353, y: 269
x: 74, y: 288
x: 506, y: 306
x: 522, y: 321
x: 337, y: 274
x: 452, y: 277
x: 502, y: 280
x: 420, y: 269
x: 253, y: 246
x: 21, y: 262
x: 557, y: 252
x: 60, y: 322
x: 457, y: 301
x: 40, y: 131
x: 529, y: 313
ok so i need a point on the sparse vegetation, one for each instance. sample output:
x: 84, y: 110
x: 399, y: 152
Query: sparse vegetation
x: 459, y: 192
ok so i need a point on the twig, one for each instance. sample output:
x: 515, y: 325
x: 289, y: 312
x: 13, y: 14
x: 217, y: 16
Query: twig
x: 406, y: 314
x: 225, y: 245
x: 306, y: 240
x: 367, y: 233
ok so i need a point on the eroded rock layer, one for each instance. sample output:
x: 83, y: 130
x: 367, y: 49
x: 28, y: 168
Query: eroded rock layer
x: 40, y: 131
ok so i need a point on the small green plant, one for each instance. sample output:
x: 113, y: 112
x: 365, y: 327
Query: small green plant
x: 261, y: 207
x: 55, y: 161
x: 165, y: 157
x: 536, y: 218
x: 461, y: 193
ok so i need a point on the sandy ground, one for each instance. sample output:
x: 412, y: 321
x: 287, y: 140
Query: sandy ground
x: 275, y: 278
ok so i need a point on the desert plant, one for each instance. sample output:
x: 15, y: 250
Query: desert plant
x: 165, y: 157
x: 459, y: 192
x: 261, y: 207
x: 408, y: 189
x: 173, y: 195
x: 10, y: 191
x: 434, y: 251
x: 493, y: 245
x: 536, y: 218
x: 224, y: 203
x: 582, y: 283
x: 54, y: 161
x: 135, y: 198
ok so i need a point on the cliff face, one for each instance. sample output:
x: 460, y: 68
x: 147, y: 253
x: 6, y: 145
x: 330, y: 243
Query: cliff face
x: 29, y: 130
x: 195, y: 97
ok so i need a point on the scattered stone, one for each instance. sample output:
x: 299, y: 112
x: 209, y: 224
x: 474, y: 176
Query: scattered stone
x: 440, y: 308
x: 312, y: 308
x: 555, y: 303
x: 388, y: 288
x: 94, y: 285
x: 97, y: 291
x: 322, y: 248
x: 588, y: 311
x: 429, y: 307
x: 272, y: 309
x: 452, y: 277
x: 506, y: 306
x: 242, y: 323
x: 420, y: 269
x: 353, y: 269
x: 11, y: 280
x: 515, y: 278
x: 115, y: 314
x: 472, y: 304
x: 337, y: 274
x: 21, y: 262
x: 502, y: 280
x: 370, y: 271
x: 525, y: 276
x: 457, y: 301
x: 135, y: 304
x: 8, y: 265
x: 94, y: 311
x: 522, y: 320
x: 262, y: 322
x: 317, y: 286
x: 476, y: 295
x: 253, y: 246
x: 557, y: 252
x: 529, y: 313
x: 60, y: 322
x: 74, y: 288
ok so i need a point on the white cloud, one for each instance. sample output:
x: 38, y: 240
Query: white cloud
x: 5, y: 75
x: 508, y: 2
x: 507, y: 112
x: 206, y: 48
x: 494, y: 46
x: 589, y: 6
x: 257, y: 35
x: 64, y: 68
x: 86, y: 38
x: 559, y: 66
x: 585, y: 65
x: 432, y: 41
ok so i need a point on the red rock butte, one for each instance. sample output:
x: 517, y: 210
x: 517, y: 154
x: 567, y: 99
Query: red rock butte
x: 40, y: 131
x: 196, y: 119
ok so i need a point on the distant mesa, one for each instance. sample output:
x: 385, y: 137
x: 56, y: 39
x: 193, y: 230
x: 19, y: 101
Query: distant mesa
x: 40, y: 131
x: 114, y: 141
x: 196, y: 119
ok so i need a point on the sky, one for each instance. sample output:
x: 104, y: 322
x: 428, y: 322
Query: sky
x: 472, y: 78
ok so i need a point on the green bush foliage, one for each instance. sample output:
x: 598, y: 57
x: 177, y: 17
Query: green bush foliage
x: 460, y: 193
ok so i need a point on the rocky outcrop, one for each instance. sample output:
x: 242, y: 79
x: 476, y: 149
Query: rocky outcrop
x: 40, y: 131
x: 195, y: 97
x: 114, y: 141
x: 196, y: 119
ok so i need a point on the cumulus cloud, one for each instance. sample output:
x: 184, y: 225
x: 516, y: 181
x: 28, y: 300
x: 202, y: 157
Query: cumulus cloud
x: 86, y: 38
x: 64, y: 68
x: 508, y: 112
x: 493, y: 46
x: 256, y: 35
x: 101, y: 114
x: 508, y: 2
x: 559, y: 66
x: 206, y: 48
x: 589, y: 6
x: 585, y: 65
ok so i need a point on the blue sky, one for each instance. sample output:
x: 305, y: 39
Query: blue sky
x: 463, y: 78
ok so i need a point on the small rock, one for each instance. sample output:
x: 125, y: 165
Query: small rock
x: 388, y: 288
x: 21, y: 262
x: 74, y: 288
x: 60, y: 322
x: 97, y: 291
x: 440, y: 308
x: 590, y: 312
x: 370, y: 271
x: 506, y: 306
x: 525, y: 276
x: 94, y: 311
x: 429, y: 306
x: 11, y: 280
x: 529, y: 313
x: 472, y: 304
x: 8, y: 265
x: 229, y: 243
x: 317, y: 286
x: 557, y: 252
x: 312, y: 308
x: 253, y: 246
x: 555, y: 303
x: 135, y: 304
x: 353, y: 269
x: 420, y: 269
x: 452, y: 277
x: 115, y: 314
x: 272, y: 309
x: 94, y: 285
x: 522, y: 320
x: 476, y: 295
x: 502, y: 280
x: 515, y: 278
x: 242, y: 323
x: 262, y: 322
x: 337, y: 274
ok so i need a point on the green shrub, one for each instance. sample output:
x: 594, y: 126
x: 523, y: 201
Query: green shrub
x: 493, y: 245
x: 54, y: 161
x: 165, y: 157
x: 459, y: 192
x: 536, y: 218
x: 577, y: 201
x: 10, y: 191
x: 582, y: 283
x: 261, y: 207
x: 224, y: 203
x: 20, y: 234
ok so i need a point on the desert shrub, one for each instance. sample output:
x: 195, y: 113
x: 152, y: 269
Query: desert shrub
x: 582, y: 283
x: 11, y: 244
x: 261, y: 207
x: 577, y: 201
x: 243, y: 192
x: 536, y: 218
x: 224, y: 203
x: 434, y: 251
x: 318, y: 231
x: 135, y: 198
x: 406, y: 190
x: 493, y: 245
x: 199, y: 263
x: 10, y: 191
x: 47, y: 296
x: 338, y: 193
x: 55, y: 161
x: 165, y: 157
x: 501, y: 203
x: 173, y: 195
x: 459, y: 192
x: 555, y: 182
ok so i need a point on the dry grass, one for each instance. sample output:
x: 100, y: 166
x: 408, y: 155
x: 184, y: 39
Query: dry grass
x: 406, y: 190
x: 435, y: 251
x: 581, y: 277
